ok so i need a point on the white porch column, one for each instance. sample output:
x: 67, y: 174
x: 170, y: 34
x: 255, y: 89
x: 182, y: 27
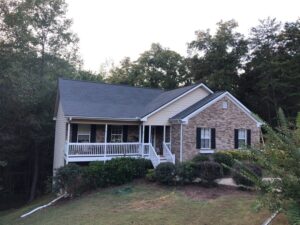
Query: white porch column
x: 164, y: 138
x: 143, y: 139
x: 105, y: 140
x: 68, y: 132
x: 149, y: 135
x: 67, y: 142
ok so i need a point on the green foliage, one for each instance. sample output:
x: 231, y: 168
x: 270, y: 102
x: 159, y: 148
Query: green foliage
x: 293, y: 213
x: 157, y: 68
x: 280, y: 157
x: 69, y: 179
x: 123, y: 170
x: 75, y: 179
x: 223, y: 158
x: 141, y: 167
x: 217, y: 59
x: 209, y: 171
x: 150, y: 176
x: 165, y: 173
x: 241, y: 155
x: 201, y: 158
x: 186, y: 172
x: 95, y: 175
x: 271, y: 77
x: 245, y: 173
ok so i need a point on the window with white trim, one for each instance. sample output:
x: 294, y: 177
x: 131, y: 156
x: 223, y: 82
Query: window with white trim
x: 116, y: 133
x: 242, y: 138
x: 224, y: 104
x: 84, y: 133
x: 205, y: 138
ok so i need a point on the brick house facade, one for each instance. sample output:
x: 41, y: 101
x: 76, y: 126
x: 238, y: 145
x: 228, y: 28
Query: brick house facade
x: 224, y: 121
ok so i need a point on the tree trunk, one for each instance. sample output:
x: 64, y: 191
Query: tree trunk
x: 35, y: 173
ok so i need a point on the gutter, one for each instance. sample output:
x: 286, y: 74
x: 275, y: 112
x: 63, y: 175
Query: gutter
x: 103, y: 118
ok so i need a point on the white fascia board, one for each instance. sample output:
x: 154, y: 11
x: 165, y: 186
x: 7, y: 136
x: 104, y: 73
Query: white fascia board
x: 203, y: 107
x: 175, y: 99
x: 233, y: 99
x: 103, y: 118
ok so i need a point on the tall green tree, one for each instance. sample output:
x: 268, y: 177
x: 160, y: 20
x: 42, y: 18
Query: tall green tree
x: 271, y: 75
x: 280, y: 156
x: 36, y: 46
x: 218, y: 59
x: 157, y: 68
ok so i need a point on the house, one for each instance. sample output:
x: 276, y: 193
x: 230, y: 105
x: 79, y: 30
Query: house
x: 98, y: 121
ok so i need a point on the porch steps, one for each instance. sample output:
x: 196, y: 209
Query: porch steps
x: 162, y: 159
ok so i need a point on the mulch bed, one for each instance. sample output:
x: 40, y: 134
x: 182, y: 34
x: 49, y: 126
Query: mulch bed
x: 202, y: 193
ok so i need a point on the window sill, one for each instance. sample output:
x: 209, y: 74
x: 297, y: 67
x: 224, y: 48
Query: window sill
x: 207, y: 151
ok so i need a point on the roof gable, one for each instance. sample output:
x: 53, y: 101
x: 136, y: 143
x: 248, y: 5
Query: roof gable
x: 193, y: 110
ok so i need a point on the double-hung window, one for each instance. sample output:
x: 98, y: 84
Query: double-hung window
x: 205, y: 138
x: 84, y: 133
x: 116, y: 133
x: 242, y: 138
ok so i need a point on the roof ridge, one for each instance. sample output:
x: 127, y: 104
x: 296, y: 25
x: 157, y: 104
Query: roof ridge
x: 100, y: 82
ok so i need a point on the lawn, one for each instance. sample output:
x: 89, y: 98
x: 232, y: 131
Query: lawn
x: 144, y: 203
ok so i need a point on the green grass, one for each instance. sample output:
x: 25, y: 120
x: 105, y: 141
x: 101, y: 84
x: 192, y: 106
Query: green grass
x: 142, y: 203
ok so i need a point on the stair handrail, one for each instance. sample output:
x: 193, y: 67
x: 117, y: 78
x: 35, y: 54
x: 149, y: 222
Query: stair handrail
x: 168, y: 154
x: 153, y: 156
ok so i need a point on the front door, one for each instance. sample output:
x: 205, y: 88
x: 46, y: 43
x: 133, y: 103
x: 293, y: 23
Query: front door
x: 157, y: 139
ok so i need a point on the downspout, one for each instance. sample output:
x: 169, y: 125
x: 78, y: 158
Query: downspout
x: 181, y: 140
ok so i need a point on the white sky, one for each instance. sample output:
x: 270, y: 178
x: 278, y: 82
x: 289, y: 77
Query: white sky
x: 113, y: 29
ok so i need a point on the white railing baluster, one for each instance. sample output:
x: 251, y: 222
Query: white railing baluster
x: 168, y: 154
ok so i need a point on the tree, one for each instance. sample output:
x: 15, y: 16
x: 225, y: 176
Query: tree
x: 218, y: 59
x: 272, y: 72
x: 157, y: 68
x: 280, y: 156
x: 36, y: 47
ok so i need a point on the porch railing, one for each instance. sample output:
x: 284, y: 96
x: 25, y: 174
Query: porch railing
x: 155, y: 159
x: 167, y: 153
x: 103, y: 149
x: 85, y: 152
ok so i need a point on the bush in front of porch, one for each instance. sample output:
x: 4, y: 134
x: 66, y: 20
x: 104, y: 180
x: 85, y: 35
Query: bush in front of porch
x: 74, y: 180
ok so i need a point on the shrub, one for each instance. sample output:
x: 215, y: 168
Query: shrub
x: 241, y: 155
x: 165, y: 173
x: 95, y: 175
x: 209, y: 172
x: 243, y: 173
x: 75, y: 179
x: 223, y: 158
x: 186, y: 172
x: 69, y: 179
x: 119, y: 170
x: 201, y: 158
x: 141, y: 167
x: 150, y: 176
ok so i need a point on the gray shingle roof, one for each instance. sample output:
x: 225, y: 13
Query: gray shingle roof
x: 111, y: 101
x: 197, y: 105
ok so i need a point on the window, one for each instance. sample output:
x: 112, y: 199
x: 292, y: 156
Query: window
x: 224, y: 105
x: 242, y: 138
x: 84, y: 133
x: 205, y: 138
x: 116, y: 133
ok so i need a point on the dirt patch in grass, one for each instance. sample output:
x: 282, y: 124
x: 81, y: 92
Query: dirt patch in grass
x: 201, y: 193
x: 155, y: 203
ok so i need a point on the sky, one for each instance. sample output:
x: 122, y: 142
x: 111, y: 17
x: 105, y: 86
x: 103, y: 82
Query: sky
x: 110, y: 30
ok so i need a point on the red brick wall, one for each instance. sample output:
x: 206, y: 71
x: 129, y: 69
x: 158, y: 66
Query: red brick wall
x: 223, y: 120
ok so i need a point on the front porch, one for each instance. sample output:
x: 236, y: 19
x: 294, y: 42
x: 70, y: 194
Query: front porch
x: 102, y: 142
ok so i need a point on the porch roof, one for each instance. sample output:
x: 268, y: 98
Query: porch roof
x: 112, y: 101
